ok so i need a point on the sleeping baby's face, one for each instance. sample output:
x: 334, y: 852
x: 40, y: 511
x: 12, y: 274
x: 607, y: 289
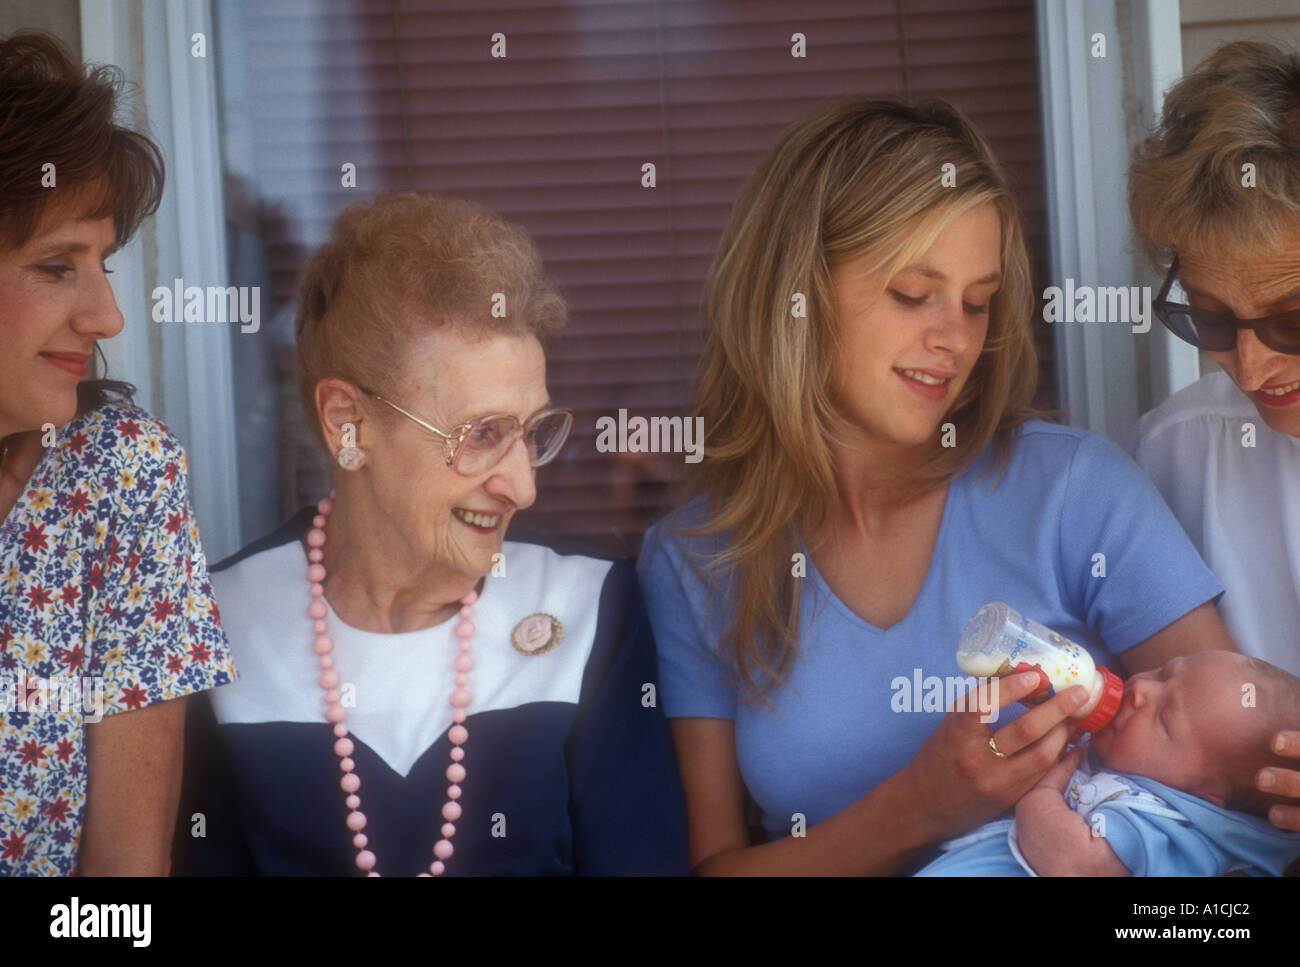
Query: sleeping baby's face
x: 1182, y: 723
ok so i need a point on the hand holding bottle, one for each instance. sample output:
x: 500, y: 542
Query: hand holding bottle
x: 966, y: 773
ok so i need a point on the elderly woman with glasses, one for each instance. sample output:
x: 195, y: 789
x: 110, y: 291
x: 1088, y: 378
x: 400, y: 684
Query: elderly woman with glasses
x: 1215, y: 194
x: 418, y: 695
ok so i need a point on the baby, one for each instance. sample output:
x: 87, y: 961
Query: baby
x: 1177, y: 797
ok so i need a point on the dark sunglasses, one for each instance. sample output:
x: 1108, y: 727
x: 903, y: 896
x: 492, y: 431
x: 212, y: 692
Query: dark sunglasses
x: 1217, y: 332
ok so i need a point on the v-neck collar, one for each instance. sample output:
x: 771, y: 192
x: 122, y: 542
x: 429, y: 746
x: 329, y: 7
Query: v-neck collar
x: 852, y: 616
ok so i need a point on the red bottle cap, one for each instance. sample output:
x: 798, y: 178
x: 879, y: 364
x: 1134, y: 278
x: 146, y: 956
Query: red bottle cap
x: 1112, y: 696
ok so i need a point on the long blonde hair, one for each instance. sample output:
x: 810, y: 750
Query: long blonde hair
x: 862, y: 177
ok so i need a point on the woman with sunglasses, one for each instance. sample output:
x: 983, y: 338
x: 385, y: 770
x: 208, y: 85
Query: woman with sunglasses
x: 418, y: 695
x: 1225, y: 451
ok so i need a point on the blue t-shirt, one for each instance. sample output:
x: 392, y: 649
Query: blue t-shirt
x: 849, y: 715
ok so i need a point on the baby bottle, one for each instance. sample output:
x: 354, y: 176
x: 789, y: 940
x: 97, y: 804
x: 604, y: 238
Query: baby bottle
x: 1000, y: 641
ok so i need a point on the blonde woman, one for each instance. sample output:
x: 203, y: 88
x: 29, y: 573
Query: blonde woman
x: 1225, y: 452
x: 873, y: 476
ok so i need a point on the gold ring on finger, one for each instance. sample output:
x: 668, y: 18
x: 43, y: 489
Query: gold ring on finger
x: 994, y: 746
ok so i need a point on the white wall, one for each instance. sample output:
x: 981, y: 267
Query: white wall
x: 1208, y: 23
x: 1095, y: 110
x: 58, y: 17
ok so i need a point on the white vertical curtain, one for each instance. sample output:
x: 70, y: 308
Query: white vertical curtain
x: 182, y: 370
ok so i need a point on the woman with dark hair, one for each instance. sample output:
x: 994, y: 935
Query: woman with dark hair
x: 106, y: 611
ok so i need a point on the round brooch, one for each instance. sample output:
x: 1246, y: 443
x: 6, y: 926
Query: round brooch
x: 537, y: 634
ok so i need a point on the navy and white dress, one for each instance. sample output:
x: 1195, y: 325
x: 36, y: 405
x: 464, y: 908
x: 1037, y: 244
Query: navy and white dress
x: 570, y: 762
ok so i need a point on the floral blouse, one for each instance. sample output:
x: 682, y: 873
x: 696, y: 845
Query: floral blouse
x: 105, y: 607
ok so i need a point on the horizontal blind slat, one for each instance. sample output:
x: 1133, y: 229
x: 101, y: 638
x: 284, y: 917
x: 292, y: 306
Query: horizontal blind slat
x: 553, y: 137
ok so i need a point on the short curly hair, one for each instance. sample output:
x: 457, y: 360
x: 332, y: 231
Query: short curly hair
x: 1240, y: 106
x: 403, y: 263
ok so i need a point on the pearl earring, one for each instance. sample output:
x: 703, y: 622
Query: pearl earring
x: 352, y: 458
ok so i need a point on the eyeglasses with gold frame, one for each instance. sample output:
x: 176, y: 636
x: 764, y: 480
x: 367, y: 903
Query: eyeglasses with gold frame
x: 475, y: 448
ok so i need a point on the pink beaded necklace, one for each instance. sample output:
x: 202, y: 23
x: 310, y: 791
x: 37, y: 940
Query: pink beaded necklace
x: 336, y: 713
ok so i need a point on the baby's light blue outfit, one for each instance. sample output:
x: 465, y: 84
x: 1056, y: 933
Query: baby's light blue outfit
x: 1154, y: 830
